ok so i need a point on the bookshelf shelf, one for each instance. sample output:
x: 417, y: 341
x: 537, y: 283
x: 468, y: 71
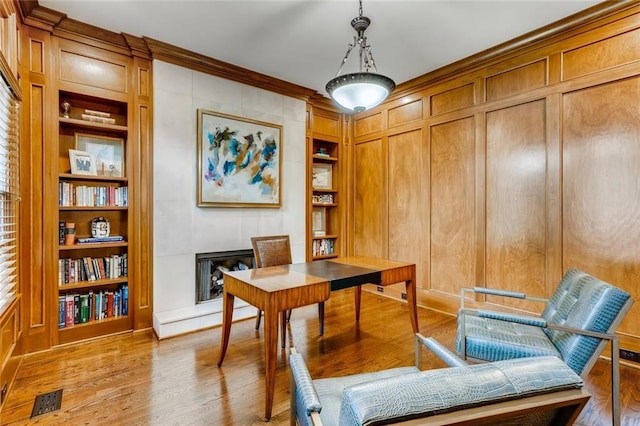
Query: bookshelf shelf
x: 106, y: 208
x: 93, y: 246
x: 92, y: 284
x: 83, y: 124
x: 96, y: 178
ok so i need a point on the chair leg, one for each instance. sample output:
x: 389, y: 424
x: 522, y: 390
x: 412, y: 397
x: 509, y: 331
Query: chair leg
x: 615, y: 382
x: 258, y: 318
x: 321, y: 317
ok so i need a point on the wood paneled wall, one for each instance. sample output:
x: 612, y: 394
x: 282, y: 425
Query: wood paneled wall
x: 505, y: 173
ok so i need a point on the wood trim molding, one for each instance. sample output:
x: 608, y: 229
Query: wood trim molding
x: 188, y: 59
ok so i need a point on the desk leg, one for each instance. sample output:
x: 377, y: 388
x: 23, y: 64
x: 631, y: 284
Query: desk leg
x: 227, y: 317
x: 270, y: 356
x: 321, y: 318
x: 411, y: 300
x: 358, y: 300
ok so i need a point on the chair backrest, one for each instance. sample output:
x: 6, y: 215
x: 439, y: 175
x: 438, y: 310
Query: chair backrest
x: 585, y: 302
x: 271, y: 250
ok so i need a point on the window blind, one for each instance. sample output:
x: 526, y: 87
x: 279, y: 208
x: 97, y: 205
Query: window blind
x: 9, y: 195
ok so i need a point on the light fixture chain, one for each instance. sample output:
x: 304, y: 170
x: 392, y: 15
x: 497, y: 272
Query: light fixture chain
x: 346, y: 56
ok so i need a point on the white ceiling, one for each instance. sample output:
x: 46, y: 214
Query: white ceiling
x: 303, y: 41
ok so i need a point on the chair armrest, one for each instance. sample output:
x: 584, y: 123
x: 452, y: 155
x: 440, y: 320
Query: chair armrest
x: 451, y: 359
x: 503, y: 316
x: 306, y: 394
x: 496, y: 292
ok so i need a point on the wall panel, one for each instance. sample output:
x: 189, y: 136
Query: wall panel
x: 453, y: 246
x: 406, y: 203
x: 405, y: 113
x: 601, y: 186
x: 515, y: 201
x: 518, y: 80
x: 370, y: 199
x: 600, y: 55
x: 453, y: 99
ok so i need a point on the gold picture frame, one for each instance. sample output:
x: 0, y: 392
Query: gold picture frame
x: 108, y: 152
x: 239, y: 161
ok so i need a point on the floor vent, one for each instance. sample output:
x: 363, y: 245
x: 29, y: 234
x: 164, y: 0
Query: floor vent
x: 46, y: 403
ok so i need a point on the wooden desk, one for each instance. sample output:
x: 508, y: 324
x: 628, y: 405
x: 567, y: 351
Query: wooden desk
x: 278, y: 288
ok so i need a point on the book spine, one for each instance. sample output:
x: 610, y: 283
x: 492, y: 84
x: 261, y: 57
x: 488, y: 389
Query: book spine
x: 61, y: 233
x: 62, y: 315
x: 76, y: 308
x: 84, y: 308
x: 69, y: 310
x: 125, y: 299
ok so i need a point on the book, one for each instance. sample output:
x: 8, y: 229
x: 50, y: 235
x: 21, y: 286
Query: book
x: 61, y: 233
x: 84, y: 308
x: 93, y: 240
x: 88, y: 265
x: 97, y: 113
x: 68, y: 310
x: 125, y: 300
x: 76, y: 308
x: 62, y: 315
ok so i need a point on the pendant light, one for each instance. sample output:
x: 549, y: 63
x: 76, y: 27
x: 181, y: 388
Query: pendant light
x: 362, y: 90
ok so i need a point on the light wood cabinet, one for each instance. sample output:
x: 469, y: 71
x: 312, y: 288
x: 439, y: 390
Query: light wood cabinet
x: 325, y: 182
x: 108, y: 92
x: 93, y: 287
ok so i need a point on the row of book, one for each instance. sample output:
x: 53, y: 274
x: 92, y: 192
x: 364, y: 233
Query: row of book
x: 92, y: 269
x: 75, y: 308
x: 72, y: 195
x: 322, y: 247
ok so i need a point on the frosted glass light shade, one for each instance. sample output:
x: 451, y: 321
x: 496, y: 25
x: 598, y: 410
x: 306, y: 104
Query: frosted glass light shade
x: 358, y: 92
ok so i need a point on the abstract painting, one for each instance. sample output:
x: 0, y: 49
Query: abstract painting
x: 239, y: 161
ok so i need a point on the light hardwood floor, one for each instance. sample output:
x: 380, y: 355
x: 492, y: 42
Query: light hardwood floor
x: 134, y: 379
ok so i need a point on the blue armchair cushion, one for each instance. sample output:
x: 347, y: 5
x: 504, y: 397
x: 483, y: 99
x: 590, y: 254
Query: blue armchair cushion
x: 330, y: 391
x: 432, y: 392
x: 491, y: 339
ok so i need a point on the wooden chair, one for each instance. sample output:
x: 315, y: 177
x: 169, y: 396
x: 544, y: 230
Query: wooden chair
x: 272, y: 250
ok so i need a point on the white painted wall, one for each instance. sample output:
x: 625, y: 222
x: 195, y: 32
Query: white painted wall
x: 180, y: 228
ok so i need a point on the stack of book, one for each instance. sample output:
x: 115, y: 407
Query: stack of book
x: 93, y: 240
x: 98, y: 117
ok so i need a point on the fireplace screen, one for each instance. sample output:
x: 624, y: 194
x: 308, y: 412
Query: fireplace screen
x: 209, y: 269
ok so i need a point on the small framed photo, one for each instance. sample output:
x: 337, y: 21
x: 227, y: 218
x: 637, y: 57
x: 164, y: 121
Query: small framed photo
x: 319, y: 222
x: 108, y: 153
x: 82, y: 162
x: 321, y: 176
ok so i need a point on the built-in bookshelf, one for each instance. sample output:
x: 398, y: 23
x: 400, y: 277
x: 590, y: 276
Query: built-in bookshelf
x: 93, y: 217
x: 325, y: 222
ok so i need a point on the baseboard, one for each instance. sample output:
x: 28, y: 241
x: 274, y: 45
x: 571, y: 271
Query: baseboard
x: 198, y: 317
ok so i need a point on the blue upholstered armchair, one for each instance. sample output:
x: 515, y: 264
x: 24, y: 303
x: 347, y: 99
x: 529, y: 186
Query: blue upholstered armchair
x: 577, y: 323
x: 526, y: 391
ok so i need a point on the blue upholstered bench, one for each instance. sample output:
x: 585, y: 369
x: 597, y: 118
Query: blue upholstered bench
x: 535, y: 390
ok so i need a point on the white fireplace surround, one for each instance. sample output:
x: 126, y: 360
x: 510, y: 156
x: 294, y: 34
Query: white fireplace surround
x: 180, y: 229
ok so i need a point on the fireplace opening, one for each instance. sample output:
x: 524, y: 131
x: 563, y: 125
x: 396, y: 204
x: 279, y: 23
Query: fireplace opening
x: 209, y: 268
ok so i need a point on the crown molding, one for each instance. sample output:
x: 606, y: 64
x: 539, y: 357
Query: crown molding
x: 188, y: 59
